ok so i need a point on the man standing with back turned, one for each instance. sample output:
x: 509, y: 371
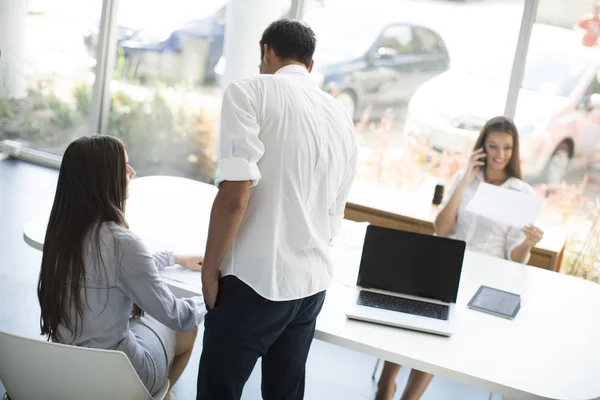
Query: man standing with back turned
x: 287, y: 160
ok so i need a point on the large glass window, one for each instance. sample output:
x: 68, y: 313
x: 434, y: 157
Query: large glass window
x: 46, y: 75
x: 558, y: 111
x: 165, y: 93
x: 419, y: 79
x: 164, y: 100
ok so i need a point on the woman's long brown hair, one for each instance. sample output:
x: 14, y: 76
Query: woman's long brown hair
x: 91, y: 189
x: 503, y: 125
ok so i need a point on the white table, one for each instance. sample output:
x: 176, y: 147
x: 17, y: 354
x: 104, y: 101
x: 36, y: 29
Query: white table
x: 168, y: 212
x: 550, y: 351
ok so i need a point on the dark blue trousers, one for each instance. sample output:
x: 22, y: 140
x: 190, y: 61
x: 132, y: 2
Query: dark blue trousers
x: 244, y: 326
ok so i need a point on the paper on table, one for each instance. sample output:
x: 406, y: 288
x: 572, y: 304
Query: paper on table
x: 508, y: 206
x: 180, y: 274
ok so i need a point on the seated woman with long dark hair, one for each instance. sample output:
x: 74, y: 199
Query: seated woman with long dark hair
x: 97, y: 276
x: 495, y: 160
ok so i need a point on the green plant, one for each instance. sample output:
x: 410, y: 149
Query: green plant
x: 119, y: 64
x: 37, y: 93
x: 82, y: 95
x: 162, y: 138
x: 63, y: 116
x: 30, y: 124
x: 5, y: 109
x: 123, y: 70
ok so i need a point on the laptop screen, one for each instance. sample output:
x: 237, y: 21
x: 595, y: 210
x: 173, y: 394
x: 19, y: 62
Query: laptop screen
x: 411, y: 263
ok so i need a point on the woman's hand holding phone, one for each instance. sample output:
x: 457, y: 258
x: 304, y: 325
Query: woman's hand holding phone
x: 476, y: 162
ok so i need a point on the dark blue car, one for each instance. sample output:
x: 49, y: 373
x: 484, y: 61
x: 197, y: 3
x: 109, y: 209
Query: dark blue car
x: 135, y: 43
x: 374, y: 64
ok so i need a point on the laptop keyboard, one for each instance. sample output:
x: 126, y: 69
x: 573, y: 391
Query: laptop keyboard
x: 400, y: 304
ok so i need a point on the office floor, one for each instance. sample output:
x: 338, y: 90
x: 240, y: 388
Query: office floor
x: 27, y: 191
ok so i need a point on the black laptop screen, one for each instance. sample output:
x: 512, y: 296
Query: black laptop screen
x: 411, y: 263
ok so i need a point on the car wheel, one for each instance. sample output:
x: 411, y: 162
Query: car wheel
x: 348, y: 101
x: 558, y: 165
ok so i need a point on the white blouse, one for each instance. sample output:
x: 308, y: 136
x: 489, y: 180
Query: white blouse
x: 482, y: 234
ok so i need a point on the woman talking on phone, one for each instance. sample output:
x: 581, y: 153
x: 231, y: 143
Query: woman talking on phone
x: 495, y: 160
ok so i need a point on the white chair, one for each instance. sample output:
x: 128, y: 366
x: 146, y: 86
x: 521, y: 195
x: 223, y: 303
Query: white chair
x: 34, y: 369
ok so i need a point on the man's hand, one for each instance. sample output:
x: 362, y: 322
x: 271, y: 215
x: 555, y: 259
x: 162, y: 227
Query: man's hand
x: 210, y: 288
x: 193, y: 263
x: 225, y: 217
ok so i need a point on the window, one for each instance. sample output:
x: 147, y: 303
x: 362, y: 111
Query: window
x: 429, y: 41
x: 398, y: 38
x: 595, y: 86
x: 560, y: 127
x: 46, y: 71
x: 560, y: 137
x: 418, y: 112
x: 164, y: 96
x: 165, y: 92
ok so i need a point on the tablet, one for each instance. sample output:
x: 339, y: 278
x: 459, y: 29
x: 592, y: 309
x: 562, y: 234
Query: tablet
x: 496, y: 302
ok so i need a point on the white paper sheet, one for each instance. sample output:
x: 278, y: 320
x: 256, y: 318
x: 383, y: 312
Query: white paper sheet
x: 507, y: 206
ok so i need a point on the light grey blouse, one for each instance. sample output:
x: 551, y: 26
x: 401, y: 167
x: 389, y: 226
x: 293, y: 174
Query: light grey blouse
x: 126, y: 273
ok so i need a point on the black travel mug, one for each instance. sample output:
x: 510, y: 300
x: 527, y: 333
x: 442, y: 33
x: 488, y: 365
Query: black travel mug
x: 438, y: 194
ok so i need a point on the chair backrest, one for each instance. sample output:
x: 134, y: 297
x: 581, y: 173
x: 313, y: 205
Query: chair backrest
x: 34, y: 369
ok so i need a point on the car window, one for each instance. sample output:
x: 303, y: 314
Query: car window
x: 220, y: 16
x: 547, y: 73
x: 429, y: 42
x: 553, y: 74
x: 398, y: 38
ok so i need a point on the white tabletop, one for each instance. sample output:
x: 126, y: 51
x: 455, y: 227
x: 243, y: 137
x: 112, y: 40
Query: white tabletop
x: 549, y: 351
x: 168, y: 212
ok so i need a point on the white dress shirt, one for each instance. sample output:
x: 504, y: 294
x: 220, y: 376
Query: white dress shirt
x: 482, y: 234
x: 298, y: 146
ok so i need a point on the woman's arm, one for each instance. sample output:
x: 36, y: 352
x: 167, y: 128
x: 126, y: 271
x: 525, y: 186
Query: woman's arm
x: 445, y: 220
x: 164, y: 259
x: 521, y: 242
x: 521, y: 253
x: 137, y: 275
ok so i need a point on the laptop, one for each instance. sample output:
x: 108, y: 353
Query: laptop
x: 408, y: 280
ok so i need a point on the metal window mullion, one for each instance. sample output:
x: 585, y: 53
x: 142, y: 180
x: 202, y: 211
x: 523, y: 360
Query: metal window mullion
x: 516, y: 76
x: 105, y: 56
x: 297, y: 10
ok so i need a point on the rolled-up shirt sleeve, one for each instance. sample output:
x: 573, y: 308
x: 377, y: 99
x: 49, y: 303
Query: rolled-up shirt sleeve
x: 240, y: 148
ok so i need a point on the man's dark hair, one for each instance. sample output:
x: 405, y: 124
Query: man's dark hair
x: 290, y: 40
